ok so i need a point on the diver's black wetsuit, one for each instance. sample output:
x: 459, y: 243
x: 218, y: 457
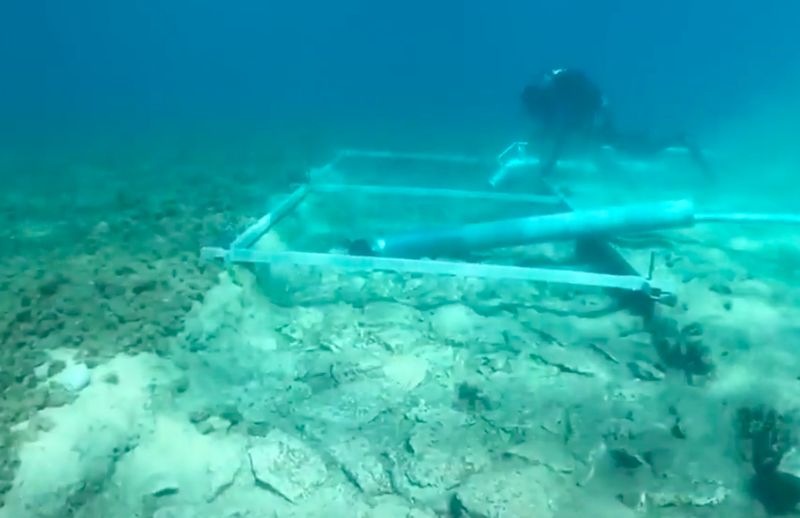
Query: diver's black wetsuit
x: 567, y: 104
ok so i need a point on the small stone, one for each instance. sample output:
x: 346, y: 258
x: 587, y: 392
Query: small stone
x: 111, y: 378
x: 722, y: 289
x: 108, y: 290
x: 205, y: 427
x: 144, y: 286
x: 678, y: 430
x: 645, y: 371
x: 56, y: 367
x: 50, y: 288
x: 163, y: 349
x: 197, y: 416
x: 258, y: 428
x: 23, y: 316
x: 232, y: 414
x: 101, y: 228
x: 124, y: 270
x: 182, y: 385
x: 707, y: 494
x: 38, y: 399
x: 41, y: 423
x: 160, y: 485
x: 41, y: 372
x: 218, y: 424
x: 73, y: 341
x: 636, y: 500
x: 6, y: 380
x: 626, y: 459
x: 75, y: 377
x: 58, y: 396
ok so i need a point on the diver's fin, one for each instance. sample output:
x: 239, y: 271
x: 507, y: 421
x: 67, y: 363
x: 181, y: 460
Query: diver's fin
x: 697, y: 156
x: 700, y: 160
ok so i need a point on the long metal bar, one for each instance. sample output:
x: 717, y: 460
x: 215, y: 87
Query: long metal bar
x: 746, y: 217
x: 247, y: 238
x: 506, y: 167
x: 519, y: 147
x: 433, y: 192
x: 433, y: 267
x: 536, y: 229
x: 425, y: 157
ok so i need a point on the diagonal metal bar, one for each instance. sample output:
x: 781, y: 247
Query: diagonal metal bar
x: 252, y: 233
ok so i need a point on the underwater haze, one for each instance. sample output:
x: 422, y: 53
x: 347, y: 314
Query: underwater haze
x: 222, y: 73
x: 455, y: 259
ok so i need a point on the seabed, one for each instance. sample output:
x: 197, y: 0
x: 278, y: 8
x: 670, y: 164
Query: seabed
x: 608, y: 376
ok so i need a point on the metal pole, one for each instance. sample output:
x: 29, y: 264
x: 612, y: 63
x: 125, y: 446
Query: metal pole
x: 537, y: 229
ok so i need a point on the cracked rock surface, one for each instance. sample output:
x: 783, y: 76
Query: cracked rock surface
x: 161, y: 387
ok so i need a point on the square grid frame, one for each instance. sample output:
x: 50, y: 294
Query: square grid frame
x: 639, y: 292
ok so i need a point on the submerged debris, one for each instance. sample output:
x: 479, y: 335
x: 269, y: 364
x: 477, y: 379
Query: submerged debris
x: 683, y: 348
x: 286, y: 465
x: 768, y: 443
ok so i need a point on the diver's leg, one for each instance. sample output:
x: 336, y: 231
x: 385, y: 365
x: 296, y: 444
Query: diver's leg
x: 697, y: 155
x: 550, y: 158
x: 642, y: 146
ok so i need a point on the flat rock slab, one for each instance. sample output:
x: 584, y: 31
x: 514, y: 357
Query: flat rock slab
x: 221, y: 473
x: 406, y: 371
x: 350, y: 406
x: 512, y: 494
x: 286, y: 465
x: 362, y: 466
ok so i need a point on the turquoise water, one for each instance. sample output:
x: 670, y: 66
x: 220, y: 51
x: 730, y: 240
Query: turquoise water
x: 139, y: 380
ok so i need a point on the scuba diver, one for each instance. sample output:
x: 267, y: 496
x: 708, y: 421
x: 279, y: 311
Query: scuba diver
x: 567, y: 105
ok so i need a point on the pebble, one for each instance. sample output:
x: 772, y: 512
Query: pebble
x: 625, y: 458
x: 197, y: 416
x: 58, y: 396
x: 75, y: 377
x: 56, y: 367
x: 111, y: 378
x: 645, y: 371
x: 161, y: 484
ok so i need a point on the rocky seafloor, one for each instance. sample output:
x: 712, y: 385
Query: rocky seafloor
x: 137, y: 381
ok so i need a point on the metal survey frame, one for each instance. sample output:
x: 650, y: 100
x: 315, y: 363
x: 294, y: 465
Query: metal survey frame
x: 638, y: 290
